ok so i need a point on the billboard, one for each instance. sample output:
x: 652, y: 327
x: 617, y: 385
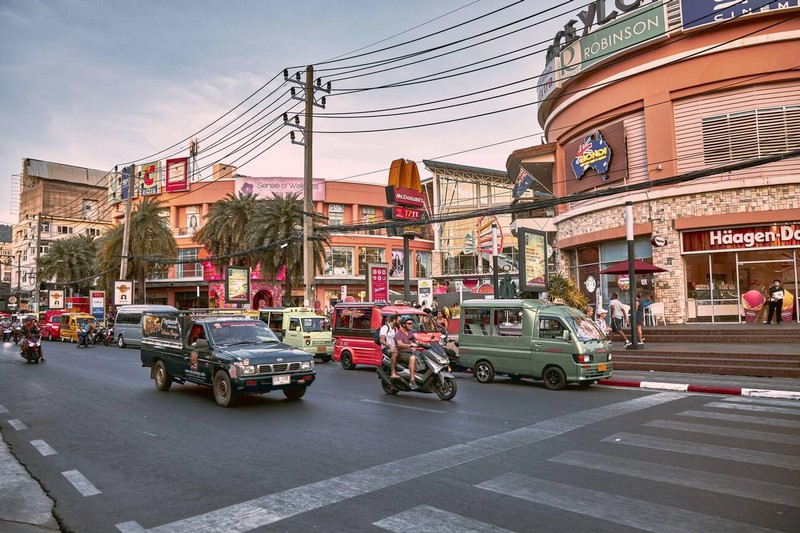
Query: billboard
x: 56, y: 299
x: 177, y: 174
x: 696, y: 13
x: 533, y: 260
x: 267, y: 187
x: 377, y: 282
x: 237, y: 285
x: 150, y: 178
x: 123, y: 292
x: 97, y: 302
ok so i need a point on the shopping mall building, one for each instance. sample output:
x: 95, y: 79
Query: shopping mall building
x: 687, y: 90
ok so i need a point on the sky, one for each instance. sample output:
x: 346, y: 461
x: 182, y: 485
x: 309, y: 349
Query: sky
x: 98, y: 83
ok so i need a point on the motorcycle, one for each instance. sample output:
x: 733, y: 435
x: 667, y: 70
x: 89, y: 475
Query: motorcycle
x: 32, y: 348
x: 16, y: 333
x: 108, y: 337
x: 450, y: 350
x: 99, y: 335
x: 85, y: 339
x: 431, y: 373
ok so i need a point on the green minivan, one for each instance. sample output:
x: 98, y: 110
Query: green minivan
x: 532, y: 338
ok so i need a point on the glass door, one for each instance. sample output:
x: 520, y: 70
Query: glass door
x: 756, y: 271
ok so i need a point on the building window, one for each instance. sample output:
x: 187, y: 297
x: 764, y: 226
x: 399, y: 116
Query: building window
x: 335, y: 214
x: 89, y: 210
x: 424, y: 264
x: 750, y: 134
x: 93, y: 232
x: 45, y: 226
x: 44, y: 249
x: 339, y: 261
x: 368, y: 216
x: 64, y: 230
x: 188, y: 270
x: 370, y: 255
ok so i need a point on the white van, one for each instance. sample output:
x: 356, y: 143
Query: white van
x: 128, y: 324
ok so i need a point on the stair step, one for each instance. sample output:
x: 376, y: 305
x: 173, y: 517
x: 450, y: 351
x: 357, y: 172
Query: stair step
x: 733, y: 370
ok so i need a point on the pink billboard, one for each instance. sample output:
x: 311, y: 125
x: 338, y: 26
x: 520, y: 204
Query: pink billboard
x: 377, y: 282
x: 177, y: 174
x: 266, y: 187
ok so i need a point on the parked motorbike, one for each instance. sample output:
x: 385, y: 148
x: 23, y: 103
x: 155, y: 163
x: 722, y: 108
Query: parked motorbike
x: 32, y: 348
x: 108, y: 338
x: 7, y: 334
x: 431, y: 373
x: 99, y: 335
x: 450, y: 347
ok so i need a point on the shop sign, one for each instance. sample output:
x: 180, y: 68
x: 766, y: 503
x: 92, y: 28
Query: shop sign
x: 405, y: 213
x: 425, y: 292
x: 658, y: 241
x: 593, y: 153
x: 747, y: 238
x: 378, y: 282
x: 267, y: 187
x: 590, y: 158
x: 696, y: 13
x: 548, y: 81
x: 404, y: 196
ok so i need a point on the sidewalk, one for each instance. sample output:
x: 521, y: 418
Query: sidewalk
x: 24, y: 507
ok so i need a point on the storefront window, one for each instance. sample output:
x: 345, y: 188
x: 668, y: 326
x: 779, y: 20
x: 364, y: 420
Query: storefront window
x: 370, y: 255
x: 424, y: 264
x: 339, y: 261
x: 335, y: 214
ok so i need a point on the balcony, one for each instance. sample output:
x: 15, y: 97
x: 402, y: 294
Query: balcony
x: 184, y: 232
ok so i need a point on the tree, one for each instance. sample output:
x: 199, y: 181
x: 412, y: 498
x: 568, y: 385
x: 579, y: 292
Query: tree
x: 150, y: 237
x: 226, y: 227
x: 563, y: 289
x: 70, y: 262
x: 276, y: 219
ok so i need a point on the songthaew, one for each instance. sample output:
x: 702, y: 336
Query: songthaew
x: 232, y: 354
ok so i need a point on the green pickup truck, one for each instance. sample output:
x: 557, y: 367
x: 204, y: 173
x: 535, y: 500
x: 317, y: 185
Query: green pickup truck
x: 232, y: 354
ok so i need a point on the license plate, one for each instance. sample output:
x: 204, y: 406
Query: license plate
x: 601, y: 367
x: 321, y: 349
x: 281, y: 380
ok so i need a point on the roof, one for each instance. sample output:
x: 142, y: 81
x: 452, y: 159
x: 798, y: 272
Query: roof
x: 61, y: 172
x: 466, y: 172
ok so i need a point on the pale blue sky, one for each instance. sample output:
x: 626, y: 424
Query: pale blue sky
x: 97, y: 83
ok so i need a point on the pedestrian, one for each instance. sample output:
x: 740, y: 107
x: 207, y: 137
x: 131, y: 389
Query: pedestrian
x: 775, y: 302
x: 617, y: 318
x: 639, y: 317
x: 601, y: 323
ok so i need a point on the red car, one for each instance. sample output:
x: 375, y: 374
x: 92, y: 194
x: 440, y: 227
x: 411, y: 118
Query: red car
x: 50, y: 325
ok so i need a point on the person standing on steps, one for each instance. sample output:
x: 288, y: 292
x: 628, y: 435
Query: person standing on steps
x: 775, y: 302
x: 617, y: 318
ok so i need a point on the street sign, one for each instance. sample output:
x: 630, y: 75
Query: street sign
x: 406, y: 213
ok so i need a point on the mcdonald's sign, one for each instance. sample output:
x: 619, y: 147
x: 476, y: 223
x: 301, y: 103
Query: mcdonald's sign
x: 404, y: 187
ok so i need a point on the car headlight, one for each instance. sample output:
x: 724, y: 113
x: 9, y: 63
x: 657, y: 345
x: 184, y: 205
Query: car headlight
x: 308, y: 343
x: 307, y: 365
x: 242, y: 369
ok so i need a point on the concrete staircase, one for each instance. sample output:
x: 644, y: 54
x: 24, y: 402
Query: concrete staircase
x: 729, y: 349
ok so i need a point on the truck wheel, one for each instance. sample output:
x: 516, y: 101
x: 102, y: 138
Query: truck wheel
x: 121, y: 341
x: 294, y: 393
x: 554, y: 378
x: 223, y: 392
x: 162, y: 378
x: 325, y: 358
x: 347, y: 361
x: 484, y: 372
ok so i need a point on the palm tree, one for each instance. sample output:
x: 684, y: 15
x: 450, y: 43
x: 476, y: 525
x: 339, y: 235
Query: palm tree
x: 226, y: 226
x: 276, y: 219
x: 563, y: 289
x: 150, y: 237
x: 71, y: 261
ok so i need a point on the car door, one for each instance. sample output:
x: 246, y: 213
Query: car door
x: 293, y: 337
x: 552, y: 344
x: 197, y: 358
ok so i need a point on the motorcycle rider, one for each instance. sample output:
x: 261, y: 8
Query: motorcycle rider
x: 6, y: 325
x: 29, y: 330
x: 85, y: 334
x: 388, y: 331
x: 16, y: 328
x: 405, y: 340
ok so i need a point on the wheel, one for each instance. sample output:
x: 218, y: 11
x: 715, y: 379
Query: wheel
x: 162, y: 378
x: 223, y: 392
x: 347, y: 361
x: 325, y: 358
x: 554, y: 378
x: 484, y: 372
x: 294, y: 393
x: 446, y: 391
x: 61, y: 337
x: 388, y: 388
x: 587, y: 384
x: 121, y: 341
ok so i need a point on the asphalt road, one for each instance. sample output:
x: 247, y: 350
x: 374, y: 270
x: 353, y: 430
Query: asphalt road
x: 117, y: 455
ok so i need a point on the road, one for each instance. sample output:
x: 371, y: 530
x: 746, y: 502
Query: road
x: 118, y: 456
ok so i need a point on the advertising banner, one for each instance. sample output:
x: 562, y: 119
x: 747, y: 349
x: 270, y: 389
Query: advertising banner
x: 177, y: 174
x: 267, y: 187
x: 747, y: 238
x: 125, y: 178
x: 425, y: 292
x: 548, y: 80
x: 97, y: 301
x: 696, y: 13
x: 237, y: 285
x: 56, y: 299
x: 150, y: 174
x: 166, y: 328
x: 123, y: 292
x: 533, y: 260
x: 377, y: 282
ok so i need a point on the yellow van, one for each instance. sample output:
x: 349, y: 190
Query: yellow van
x: 300, y: 327
x: 532, y: 338
x: 71, y: 324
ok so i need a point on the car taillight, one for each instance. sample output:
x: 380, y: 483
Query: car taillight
x: 582, y: 358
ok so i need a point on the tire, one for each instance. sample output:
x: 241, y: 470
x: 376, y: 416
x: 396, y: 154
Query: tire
x: 347, y: 361
x: 121, y: 341
x: 62, y: 338
x: 388, y: 388
x: 325, y: 358
x: 294, y: 393
x: 161, y: 377
x: 554, y: 378
x: 223, y: 392
x: 446, y: 391
x: 484, y: 372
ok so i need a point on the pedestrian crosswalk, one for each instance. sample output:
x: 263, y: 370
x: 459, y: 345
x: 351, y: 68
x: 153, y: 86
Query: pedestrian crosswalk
x: 684, y: 439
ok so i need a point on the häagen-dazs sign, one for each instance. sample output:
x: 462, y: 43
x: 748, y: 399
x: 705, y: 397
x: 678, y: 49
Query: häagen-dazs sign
x: 776, y: 236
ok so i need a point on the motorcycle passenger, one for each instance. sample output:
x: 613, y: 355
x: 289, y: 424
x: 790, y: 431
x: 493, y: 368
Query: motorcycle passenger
x: 86, y: 333
x: 388, y: 331
x: 405, y: 340
x: 6, y: 325
x: 29, y: 330
x: 16, y: 329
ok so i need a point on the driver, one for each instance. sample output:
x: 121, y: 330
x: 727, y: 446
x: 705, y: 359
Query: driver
x: 28, y: 330
x: 405, y: 341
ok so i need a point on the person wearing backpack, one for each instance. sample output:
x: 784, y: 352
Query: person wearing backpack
x: 386, y: 335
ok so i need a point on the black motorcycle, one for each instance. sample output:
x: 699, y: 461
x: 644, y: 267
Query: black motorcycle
x: 32, y: 348
x: 431, y: 374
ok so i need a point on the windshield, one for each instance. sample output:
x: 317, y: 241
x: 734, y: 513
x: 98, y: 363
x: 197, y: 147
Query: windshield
x: 587, y: 330
x: 240, y: 332
x: 312, y: 325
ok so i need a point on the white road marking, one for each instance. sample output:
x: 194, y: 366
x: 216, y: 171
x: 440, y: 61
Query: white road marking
x: 759, y: 408
x: 426, y: 519
x: 762, y: 393
x: 707, y: 450
x: 663, y: 386
x: 43, y: 447
x: 684, y: 477
x: 640, y: 514
x: 761, y: 400
x: 272, y: 508
x: 3, y: 410
x: 79, y: 481
x: 405, y: 406
x: 721, y: 431
x: 743, y: 418
x: 17, y: 424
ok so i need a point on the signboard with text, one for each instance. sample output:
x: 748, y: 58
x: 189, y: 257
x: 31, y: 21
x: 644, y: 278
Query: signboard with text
x: 97, y: 302
x: 237, y: 285
x: 177, y: 174
x: 533, y: 260
x: 123, y: 292
x: 267, y: 187
x: 405, y: 213
x: 56, y: 299
x: 377, y: 282
x: 786, y: 235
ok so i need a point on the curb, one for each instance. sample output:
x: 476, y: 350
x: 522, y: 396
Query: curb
x: 708, y: 389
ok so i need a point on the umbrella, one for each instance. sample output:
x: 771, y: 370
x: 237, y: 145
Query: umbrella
x: 639, y: 267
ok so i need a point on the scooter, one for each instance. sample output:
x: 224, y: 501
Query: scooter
x: 32, y: 348
x: 99, y: 335
x: 450, y: 350
x: 7, y: 334
x: 108, y: 338
x: 431, y: 373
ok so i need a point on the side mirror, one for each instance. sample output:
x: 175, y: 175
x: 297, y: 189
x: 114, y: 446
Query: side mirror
x: 201, y: 344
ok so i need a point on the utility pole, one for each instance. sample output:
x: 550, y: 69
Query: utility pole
x: 308, y: 190
x: 36, y: 265
x: 126, y: 231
